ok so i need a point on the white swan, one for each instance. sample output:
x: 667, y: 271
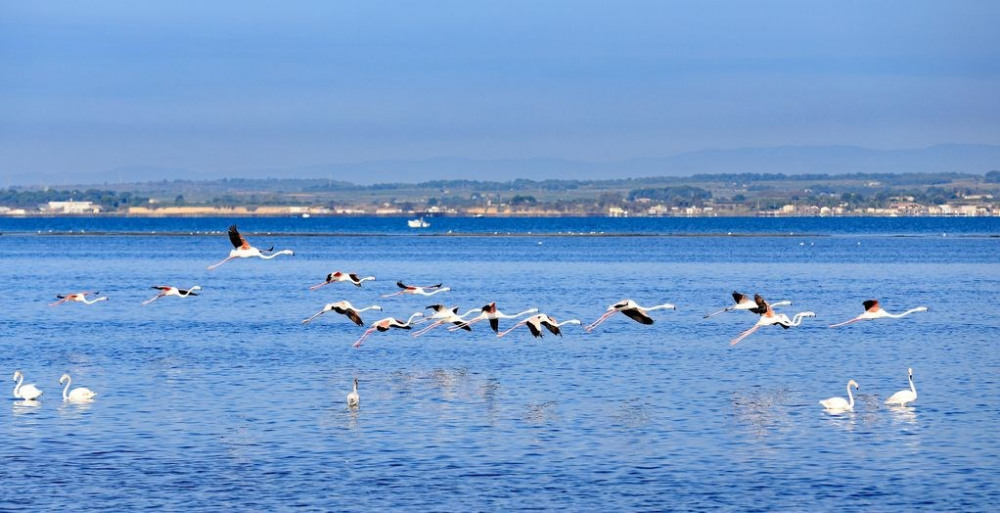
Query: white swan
x: 27, y: 392
x: 353, y: 399
x: 904, y: 396
x: 79, y: 394
x: 839, y: 403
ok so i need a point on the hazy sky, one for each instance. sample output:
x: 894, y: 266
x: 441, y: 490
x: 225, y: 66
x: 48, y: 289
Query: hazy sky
x: 93, y: 86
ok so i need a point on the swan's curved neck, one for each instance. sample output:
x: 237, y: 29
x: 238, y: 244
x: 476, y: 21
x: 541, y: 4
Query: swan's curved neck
x: 66, y: 388
x: 17, y: 387
x: 850, y: 396
x: 913, y: 387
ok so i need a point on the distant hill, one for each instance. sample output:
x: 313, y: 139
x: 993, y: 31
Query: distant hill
x: 959, y: 158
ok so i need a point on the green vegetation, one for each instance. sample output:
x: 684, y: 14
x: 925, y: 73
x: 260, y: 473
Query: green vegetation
x: 724, y: 194
x: 32, y: 198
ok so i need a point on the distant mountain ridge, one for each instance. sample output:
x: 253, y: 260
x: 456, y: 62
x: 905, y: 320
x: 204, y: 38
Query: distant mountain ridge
x: 959, y: 158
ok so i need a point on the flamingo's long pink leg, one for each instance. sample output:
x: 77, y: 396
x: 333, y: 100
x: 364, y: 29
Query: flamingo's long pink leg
x: 211, y: 267
x: 744, y: 335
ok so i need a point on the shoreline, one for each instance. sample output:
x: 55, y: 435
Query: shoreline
x: 805, y: 235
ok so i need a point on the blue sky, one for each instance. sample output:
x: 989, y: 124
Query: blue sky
x: 216, y: 86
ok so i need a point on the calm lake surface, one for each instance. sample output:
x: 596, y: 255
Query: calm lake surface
x: 227, y: 400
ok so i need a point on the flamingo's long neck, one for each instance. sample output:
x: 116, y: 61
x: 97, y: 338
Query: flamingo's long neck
x: 66, y: 388
x: 272, y: 255
x: 904, y: 314
x: 526, y: 312
x: 414, y: 316
x: 798, y: 318
x: 659, y: 307
x: 373, y: 307
x: 185, y: 293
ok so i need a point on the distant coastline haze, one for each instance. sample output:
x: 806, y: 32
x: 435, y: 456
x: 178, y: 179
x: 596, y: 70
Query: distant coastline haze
x: 114, y: 91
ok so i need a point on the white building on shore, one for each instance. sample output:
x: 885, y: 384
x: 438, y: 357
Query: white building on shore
x: 72, y: 207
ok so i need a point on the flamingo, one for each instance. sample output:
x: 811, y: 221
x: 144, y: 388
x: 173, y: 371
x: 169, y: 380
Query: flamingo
x: 444, y: 315
x: 79, y: 297
x: 27, y: 392
x: 342, y: 276
x: 903, y: 396
x: 344, y: 308
x: 874, y: 311
x: 243, y: 249
x: 166, y: 290
x: 385, y: 325
x: 745, y: 302
x: 632, y: 310
x: 769, y: 318
x: 490, y: 312
x: 412, y: 289
x: 79, y: 394
x: 353, y: 399
x: 535, y: 323
x: 839, y: 403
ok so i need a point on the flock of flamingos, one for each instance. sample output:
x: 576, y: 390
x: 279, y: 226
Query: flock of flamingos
x: 537, y: 323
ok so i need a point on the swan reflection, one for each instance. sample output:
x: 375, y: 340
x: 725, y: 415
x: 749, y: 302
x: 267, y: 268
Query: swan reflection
x: 903, y: 414
x: 25, y: 406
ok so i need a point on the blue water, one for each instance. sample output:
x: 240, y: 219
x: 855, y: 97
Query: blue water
x: 227, y: 400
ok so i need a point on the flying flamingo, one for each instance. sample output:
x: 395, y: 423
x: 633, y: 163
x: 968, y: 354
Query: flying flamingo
x: 444, y: 315
x: 745, y: 302
x: 769, y: 318
x: 385, y: 325
x: 632, y: 311
x: 243, y: 249
x: 874, y: 311
x: 79, y: 297
x: 342, y: 276
x: 166, y: 290
x: 490, y: 312
x: 344, y: 308
x: 423, y: 291
x: 535, y: 323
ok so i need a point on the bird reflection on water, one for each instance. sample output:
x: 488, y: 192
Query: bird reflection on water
x: 762, y: 411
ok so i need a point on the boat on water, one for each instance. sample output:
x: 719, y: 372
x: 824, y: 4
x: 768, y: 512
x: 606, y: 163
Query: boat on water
x: 417, y: 223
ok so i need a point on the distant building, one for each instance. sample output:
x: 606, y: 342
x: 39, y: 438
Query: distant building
x: 7, y: 211
x: 617, y: 212
x: 73, y: 207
